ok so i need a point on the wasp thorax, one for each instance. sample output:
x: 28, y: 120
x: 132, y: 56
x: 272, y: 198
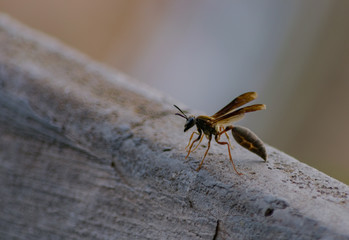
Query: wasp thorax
x: 190, y: 123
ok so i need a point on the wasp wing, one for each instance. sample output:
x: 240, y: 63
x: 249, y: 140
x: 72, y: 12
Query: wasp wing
x: 237, y: 102
x: 237, y: 114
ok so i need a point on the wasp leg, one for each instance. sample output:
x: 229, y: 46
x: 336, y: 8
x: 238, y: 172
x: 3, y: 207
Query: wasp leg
x: 191, y: 145
x: 225, y: 132
x: 226, y: 143
x: 198, y: 143
x: 190, y: 139
x: 208, y: 147
x: 226, y: 129
x: 231, y: 146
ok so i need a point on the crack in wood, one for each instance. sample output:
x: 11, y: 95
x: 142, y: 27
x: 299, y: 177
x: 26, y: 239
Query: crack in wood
x: 216, y: 231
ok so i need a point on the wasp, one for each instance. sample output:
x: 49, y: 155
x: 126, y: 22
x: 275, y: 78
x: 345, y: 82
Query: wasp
x: 221, y: 122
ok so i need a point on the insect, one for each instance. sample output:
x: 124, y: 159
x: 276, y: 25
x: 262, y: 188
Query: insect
x: 221, y: 122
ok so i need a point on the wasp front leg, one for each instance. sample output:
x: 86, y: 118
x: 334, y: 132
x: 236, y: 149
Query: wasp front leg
x: 190, y: 139
x: 191, y: 145
x: 202, y: 137
x: 208, y: 148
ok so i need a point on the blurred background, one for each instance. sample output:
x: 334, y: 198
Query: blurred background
x: 204, y: 53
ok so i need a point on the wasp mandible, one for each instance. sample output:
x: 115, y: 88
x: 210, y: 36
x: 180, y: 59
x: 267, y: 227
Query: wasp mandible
x: 221, y: 122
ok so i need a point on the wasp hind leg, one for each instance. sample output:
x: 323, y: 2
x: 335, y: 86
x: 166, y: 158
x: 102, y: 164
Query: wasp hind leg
x: 231, y: 146
x: 226, y: 143
x: 221, y: 128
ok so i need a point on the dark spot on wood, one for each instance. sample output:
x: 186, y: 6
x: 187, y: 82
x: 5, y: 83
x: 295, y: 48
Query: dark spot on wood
x: 191, y: 204
x: 268, y: 212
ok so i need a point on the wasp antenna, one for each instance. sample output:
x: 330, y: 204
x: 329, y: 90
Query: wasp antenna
x: 178, y: 114
x: 183, y: 116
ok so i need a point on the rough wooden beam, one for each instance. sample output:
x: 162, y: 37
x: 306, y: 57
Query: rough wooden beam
x: 86, y: 152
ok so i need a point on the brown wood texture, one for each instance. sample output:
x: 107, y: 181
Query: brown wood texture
x: 86, y: 153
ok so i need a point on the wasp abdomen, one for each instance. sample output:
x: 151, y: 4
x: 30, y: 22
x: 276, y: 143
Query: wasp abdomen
x: 249, y: 140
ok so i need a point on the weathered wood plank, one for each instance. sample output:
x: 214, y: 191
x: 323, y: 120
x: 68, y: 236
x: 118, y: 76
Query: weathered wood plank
x: 87, y: 153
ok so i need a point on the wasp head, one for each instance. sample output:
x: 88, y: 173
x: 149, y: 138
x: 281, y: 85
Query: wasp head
x: 190, y: 123
x: 190, y: 120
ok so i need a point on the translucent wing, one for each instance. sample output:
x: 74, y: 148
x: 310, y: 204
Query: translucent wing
x: 237, y: 102
x: 237, y: 114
